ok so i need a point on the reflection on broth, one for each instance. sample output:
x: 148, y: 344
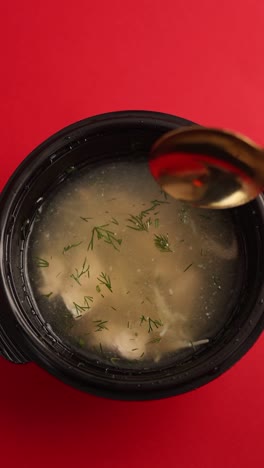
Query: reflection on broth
x: 127, y: 274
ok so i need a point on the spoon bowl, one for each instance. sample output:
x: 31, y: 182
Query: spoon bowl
x: 207, y: 167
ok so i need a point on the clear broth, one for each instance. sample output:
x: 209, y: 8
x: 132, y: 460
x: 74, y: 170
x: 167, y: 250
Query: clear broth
x: 128, y: 275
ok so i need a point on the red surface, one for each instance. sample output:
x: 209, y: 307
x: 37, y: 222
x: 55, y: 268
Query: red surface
x: 62, y: 61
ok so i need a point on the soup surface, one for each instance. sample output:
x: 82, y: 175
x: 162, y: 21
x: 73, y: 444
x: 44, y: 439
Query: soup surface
x: 127, y: 275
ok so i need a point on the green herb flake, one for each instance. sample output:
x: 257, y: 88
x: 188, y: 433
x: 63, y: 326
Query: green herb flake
x: 78, y: 274
x: 47, y: 295
x: 114, y: 221
x: 154, y: 204
x: 155, y: 340
x: 104, y: 279
x: 82, y: 308
x: 187, y: 268
x: 162, y: 243
x: 109, y: 237
x: 70, y: 246
x: 137, y: 223
x: 142, y: 319
x: 87, y: 300
x: 100, y: 325
x: 42, y: 263
x: 154, y: 323
x: 86, y: 220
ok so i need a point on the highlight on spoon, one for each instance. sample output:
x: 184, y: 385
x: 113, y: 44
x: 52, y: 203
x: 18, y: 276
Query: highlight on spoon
x: 207, y: 167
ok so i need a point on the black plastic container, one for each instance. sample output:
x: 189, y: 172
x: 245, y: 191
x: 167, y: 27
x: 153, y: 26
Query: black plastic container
x: 24, y: 335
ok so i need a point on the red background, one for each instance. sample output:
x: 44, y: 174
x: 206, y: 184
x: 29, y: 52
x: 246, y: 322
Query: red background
x: 62, y: 61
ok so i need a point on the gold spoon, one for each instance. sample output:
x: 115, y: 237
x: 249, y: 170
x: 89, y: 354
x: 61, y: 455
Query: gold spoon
x: 207, y: 167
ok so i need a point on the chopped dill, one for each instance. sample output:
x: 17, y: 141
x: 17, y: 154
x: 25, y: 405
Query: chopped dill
x: 70, y: 246
x: 141, y: 355
x: 156, y: 222
x: 78, y: 274
x: 88, y: 299
x: 154, y: 323
x: 98, y: 289
x: 105, y: 280
x: 83, y: 308
x: 114, y: 221
x: 155, y: 340
x: 187, y: 268
x: 154, y: 204
x: 138, y: 222
x: 134, y: 349
x: 47, y: 295
x: 100, y: 325
x: 142, y: 319
x: 79, y: 309
x: 162, y: 243
x: 109, y: 237
x: 42, y: 263
x: 113, y: 308
x: 85, y: 219
x: 151, y: 323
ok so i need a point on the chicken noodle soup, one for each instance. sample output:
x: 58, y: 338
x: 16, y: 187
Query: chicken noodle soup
x: 127, y: 274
